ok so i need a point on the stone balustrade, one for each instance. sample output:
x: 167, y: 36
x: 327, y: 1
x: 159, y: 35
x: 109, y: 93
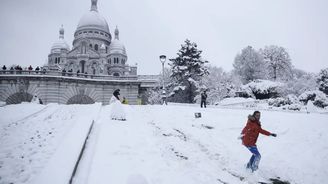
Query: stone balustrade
x: 71, y: 88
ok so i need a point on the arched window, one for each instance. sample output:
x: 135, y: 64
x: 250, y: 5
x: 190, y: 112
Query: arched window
x: 122, y: 61
x: 55, y: 60
x: 116, y: 74
x: 90, y: 45
x: 84, y: 48
x: 96, y: 47
x: 58, y: 61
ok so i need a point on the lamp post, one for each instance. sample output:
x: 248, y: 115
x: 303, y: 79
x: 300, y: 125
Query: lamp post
x: 162, y: 58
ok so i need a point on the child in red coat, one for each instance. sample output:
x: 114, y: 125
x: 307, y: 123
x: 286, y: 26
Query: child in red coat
x: 249, y: 137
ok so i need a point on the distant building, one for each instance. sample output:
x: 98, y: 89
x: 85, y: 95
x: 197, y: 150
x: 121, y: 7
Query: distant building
x: 94, y: 51
x: 62, y: 79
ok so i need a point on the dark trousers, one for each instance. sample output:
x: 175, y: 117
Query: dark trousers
x: 201, y: 104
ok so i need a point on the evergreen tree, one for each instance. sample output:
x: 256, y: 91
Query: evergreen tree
x: 187, y: 70
x: 278, y: 62
x: 249, y: 65
x: 322, y: 81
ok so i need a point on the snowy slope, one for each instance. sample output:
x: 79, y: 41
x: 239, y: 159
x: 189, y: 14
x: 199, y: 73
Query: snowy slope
x: 165, y: 145
x: 31, y: 134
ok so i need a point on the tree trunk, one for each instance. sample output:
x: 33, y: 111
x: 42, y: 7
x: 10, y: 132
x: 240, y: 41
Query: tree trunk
x: 274, y: 73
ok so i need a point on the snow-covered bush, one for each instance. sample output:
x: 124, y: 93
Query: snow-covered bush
x: 245, y: 92
x: 289, y: 102
x: 319, y: 98
x: 306, y: 96
x: 278, y: 102
x: 292, y: 99
x: 264, y: 89
x: 295, y: 107
x: 302, y: 82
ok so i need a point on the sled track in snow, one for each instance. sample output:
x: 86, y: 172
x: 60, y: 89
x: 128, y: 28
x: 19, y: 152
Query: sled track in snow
x: 31, y: 115
x: 81, y: 153
x: 27, y: 118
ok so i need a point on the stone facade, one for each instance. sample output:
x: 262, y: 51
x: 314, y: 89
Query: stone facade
x: 93, y: 52
x: 88, y: 73
x: 66, y: 90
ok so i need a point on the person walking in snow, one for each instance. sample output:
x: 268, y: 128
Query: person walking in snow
x: 203, y: 99
x: 117, y: 111
x: 249, y: 137
x: 35, y: 99
x: 116, y: 93
x: 125, y: 101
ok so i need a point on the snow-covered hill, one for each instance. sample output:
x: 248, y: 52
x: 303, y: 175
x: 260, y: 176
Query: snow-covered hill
x: 156, y: 145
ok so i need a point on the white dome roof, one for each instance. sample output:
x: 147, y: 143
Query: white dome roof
x: 116, y: 47
x: 58, y: 45
x: 93, y: 20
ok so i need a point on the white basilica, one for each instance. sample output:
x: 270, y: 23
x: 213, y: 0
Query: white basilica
x: 94, y: 51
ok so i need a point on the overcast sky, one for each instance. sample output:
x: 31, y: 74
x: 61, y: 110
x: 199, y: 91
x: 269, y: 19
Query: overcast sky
x: 149, y: 28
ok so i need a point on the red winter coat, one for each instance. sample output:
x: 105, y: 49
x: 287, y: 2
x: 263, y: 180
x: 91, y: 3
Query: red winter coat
x: 251, y: 131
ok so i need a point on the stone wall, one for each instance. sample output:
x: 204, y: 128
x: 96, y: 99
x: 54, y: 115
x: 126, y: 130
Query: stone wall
x: 66, y: 90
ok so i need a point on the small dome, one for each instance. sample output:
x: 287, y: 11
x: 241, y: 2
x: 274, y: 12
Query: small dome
x: 116, y: 46
x: 60, y: 43
x: 93, y: 20
x: 57, y: 46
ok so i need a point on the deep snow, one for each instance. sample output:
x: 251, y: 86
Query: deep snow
x: 157, y: 145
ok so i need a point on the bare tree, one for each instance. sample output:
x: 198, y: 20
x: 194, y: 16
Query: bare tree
x: 278, y: 62
x: 249, y: 65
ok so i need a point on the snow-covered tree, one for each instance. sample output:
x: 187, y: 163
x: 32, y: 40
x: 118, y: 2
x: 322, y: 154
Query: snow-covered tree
x: 187, y: 70
x: 278, y: 62
x: 322, y: 81
x: 301, y: 82
x: 219, y: 84
x: 249, y: 65
x: 155, y: 94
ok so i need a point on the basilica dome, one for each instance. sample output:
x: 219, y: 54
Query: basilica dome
x: 93, y: 20
x: 60, y: 43
x: 116, y: 46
